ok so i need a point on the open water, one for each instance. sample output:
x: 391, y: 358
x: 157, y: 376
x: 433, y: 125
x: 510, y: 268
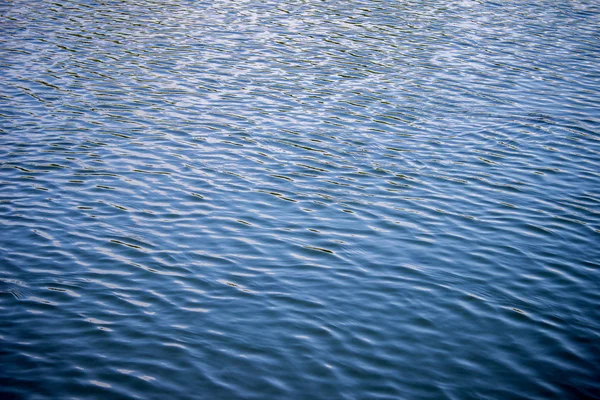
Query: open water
x: 277, y: 199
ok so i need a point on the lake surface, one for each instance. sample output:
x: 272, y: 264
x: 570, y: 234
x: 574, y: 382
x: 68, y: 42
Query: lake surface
x: 300, y: 199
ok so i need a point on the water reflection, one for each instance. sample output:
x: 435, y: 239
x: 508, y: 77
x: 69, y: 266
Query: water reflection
x: 284, y: 199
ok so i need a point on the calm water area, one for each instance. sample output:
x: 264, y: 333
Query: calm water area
x: 300, y: 199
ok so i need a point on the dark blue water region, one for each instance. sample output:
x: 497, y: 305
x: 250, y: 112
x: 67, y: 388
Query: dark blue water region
x: 282, y: 199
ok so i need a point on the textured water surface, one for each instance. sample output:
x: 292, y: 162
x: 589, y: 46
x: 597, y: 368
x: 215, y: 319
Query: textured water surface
x: 299, y: 199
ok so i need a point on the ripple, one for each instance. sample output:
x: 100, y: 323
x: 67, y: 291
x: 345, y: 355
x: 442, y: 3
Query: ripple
x: 283, y: 199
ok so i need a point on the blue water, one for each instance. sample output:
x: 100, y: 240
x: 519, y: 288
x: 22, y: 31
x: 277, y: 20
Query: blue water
x: 299, y: 199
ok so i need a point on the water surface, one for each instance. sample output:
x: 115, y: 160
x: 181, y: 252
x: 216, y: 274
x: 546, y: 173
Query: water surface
x: 299, y: 199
